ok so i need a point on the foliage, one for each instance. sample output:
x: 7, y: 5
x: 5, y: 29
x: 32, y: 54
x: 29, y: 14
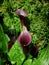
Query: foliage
x: 16, y: 54
x: 3, y: 42
x: 28, y: 62
x: 42, y: 58
x: 37, y: 23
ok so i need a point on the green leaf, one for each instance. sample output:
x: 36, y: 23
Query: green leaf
x: 43, y: 58
x: 28, y: 62
x: 3, y: 41
x: 12, y: 24
x: 7, y: 38
x: 35, y: 39
x: 16, y: 54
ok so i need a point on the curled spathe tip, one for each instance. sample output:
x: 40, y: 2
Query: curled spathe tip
x: 21, y: 12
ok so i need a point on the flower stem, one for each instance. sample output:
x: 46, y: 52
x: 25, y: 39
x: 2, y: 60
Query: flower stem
x: 22, y: 20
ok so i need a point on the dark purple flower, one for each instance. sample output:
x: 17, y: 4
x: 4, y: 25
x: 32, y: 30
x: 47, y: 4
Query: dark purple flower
x: 22, y: 14
x: 10, y: 45
x: 25, y: 38
x: 34, y: 50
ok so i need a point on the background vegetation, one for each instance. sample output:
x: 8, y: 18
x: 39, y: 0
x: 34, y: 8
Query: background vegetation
x: 37, y: 22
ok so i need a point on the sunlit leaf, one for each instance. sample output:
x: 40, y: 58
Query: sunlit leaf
x: 16, y: 54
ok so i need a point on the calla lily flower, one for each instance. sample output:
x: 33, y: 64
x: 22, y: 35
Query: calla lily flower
x: 25, y: 38
x: 22, y: 14
x: 34, y: 50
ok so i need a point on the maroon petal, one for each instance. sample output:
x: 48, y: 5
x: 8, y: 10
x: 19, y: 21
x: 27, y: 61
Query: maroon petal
x: 34, y: 50
x: 25, y: 38
x: 10, y: 45
x: 21, y: 12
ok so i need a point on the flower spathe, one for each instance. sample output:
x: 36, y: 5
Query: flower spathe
x: 22, y: 14
x: 25, y: 38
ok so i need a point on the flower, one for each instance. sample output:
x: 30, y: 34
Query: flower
x: 25, y: 38
x: 22, y: 14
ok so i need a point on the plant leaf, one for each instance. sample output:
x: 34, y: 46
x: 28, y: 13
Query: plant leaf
x: 3, y: 41
x: 28, y: 62
x: 43, y: 58
x: 16, y: 54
